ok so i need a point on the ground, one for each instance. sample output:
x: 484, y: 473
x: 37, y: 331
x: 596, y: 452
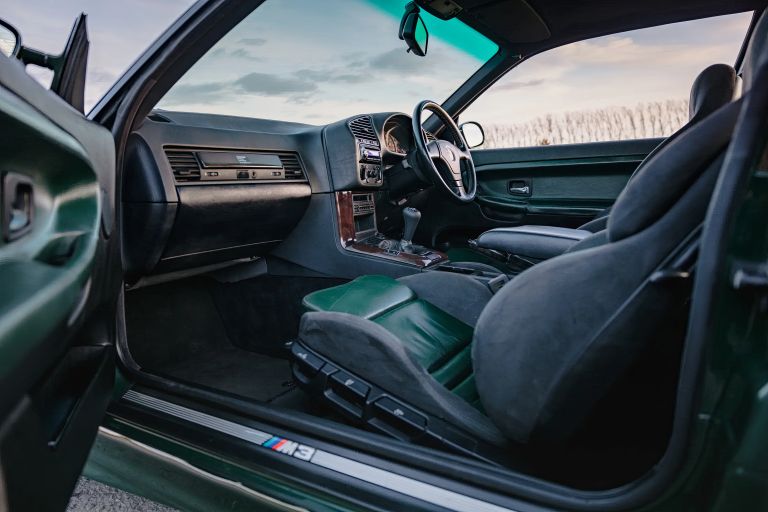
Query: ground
x: 92, y: 496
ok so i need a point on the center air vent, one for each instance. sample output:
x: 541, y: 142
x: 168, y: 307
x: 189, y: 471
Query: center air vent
x: 362, y: 128
x: 216, y: 166
x: 184, y: 164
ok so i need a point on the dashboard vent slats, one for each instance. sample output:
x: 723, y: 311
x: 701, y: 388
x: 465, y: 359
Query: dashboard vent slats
x: 187, y: 167
x: 184, y: 164
x: 362, y: 128
x: 291, y: 166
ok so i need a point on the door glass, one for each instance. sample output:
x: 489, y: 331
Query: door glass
x: 633, y: 85
x: 119, y: 32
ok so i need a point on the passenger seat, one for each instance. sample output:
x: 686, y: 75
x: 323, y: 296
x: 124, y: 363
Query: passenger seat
x: 716, y: 86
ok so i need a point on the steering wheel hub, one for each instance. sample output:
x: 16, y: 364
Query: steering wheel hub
x: 449, y: 165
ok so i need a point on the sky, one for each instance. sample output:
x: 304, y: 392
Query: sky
x: 316, y: 62
x: 119, y: 31
x: 652, y: 64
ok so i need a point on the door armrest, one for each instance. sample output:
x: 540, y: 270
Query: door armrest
x: 538, y: 242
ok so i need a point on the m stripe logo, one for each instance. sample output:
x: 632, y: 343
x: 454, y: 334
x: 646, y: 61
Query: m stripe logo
x: 300, y: 451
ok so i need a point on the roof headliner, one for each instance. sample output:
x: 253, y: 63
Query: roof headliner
x: 574, y: 20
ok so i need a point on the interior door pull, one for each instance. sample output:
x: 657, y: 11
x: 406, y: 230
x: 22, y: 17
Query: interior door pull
x: 519, y: 188
x: 18, y: 205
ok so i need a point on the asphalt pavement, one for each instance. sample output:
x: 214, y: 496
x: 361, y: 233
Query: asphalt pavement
x: 92, y: 496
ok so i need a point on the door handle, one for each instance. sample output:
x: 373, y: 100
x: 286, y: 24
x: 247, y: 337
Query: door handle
x: 18, y: 205
x: 519, y: 188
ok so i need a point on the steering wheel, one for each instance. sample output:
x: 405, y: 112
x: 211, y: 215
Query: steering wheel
x: 448, y: 165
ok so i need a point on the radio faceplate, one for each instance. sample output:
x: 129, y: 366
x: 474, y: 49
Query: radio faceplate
x: 367, y: 151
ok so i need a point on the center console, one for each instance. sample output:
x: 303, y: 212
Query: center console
x: 356, y: 215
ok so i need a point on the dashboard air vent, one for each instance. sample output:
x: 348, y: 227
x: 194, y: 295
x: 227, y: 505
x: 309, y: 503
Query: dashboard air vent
x: 184, y: 164
x: 291, y: 166
x: 430, y: 136
x: 362, y: 128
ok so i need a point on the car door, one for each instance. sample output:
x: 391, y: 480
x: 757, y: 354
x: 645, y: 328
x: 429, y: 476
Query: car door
x: 57, y: 290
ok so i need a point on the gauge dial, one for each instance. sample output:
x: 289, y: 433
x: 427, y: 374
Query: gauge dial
x: 393, y: 142
x: 397, y: 138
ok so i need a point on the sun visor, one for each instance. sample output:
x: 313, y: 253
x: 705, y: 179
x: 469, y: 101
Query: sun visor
x: 512, y: 20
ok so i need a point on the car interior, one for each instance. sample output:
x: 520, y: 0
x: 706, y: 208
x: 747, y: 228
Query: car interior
x: 525, y: 307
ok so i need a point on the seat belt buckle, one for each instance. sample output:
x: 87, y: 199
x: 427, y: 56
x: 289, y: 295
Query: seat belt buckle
x: 497, y: 283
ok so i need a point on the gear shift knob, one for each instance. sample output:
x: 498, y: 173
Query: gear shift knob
x: 411, y: 217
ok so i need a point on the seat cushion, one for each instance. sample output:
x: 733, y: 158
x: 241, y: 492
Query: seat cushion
x: 435, y: 338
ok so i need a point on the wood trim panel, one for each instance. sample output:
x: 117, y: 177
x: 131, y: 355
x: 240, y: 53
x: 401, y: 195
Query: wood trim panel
x: 346, y: 223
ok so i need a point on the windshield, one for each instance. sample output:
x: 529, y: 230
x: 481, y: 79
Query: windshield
x: 319, y: 61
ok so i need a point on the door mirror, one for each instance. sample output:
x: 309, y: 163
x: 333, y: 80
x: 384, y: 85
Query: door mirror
x: 10, y: 40
x: 413, y: 30
x: 473, y: 133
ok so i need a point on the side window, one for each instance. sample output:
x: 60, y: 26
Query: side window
x: 633, y: 85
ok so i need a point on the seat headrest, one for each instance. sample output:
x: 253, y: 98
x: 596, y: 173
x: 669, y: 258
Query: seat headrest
x: 714, y: 87
x: 756, y: 54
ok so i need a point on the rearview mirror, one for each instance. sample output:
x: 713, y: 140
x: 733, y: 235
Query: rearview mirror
x: 413, y: 30
x: 10, y: 40
x: 473, y: 133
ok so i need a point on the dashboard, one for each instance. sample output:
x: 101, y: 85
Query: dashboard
x: 199, y: 189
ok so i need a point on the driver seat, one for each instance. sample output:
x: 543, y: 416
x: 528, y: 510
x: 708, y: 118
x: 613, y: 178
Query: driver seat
x: 436, y: 358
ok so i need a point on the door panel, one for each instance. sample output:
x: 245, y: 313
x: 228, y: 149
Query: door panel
x: 56, y: 291
x: 551, y: 185
x: 570, y: 183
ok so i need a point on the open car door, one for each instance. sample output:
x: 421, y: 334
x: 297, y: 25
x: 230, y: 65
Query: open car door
x: 57, y: 290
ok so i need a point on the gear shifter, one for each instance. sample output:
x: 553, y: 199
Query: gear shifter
x: 411, y: 217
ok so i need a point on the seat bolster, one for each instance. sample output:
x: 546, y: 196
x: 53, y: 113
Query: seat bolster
x: 362, y: 347
x: 460, y: 296
x: 540, y: 242
x: 599, y: 223
x: 366, y: 296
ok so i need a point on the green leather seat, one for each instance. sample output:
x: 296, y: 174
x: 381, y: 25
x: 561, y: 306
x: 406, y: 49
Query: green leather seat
x: 437, y: 340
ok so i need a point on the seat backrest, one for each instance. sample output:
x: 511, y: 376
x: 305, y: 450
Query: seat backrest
x: 553, y: 341
x: 713, y: 88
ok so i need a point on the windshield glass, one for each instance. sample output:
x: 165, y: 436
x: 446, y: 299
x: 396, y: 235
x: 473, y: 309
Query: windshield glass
x: 319, y: 61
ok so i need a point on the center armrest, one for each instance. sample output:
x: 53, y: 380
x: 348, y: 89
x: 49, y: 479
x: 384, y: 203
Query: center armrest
x: 539, y: 242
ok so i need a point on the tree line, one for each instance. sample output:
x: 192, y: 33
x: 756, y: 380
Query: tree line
x: 644, y: 120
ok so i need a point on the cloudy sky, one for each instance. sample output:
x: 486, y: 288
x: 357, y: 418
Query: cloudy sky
x: 318, y: 61
x: 652, y: 64
x: 304, y: 60
x: 119, y: 30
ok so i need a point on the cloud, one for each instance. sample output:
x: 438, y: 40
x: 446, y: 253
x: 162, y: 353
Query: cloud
x: 398, y: 60
x: 242, y: 53
x: 253, y: 41
x: 296, y: 89
x: 209, y: 92
x: 333, y: 76
x: 273, y: 85
x: 512, y: 86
